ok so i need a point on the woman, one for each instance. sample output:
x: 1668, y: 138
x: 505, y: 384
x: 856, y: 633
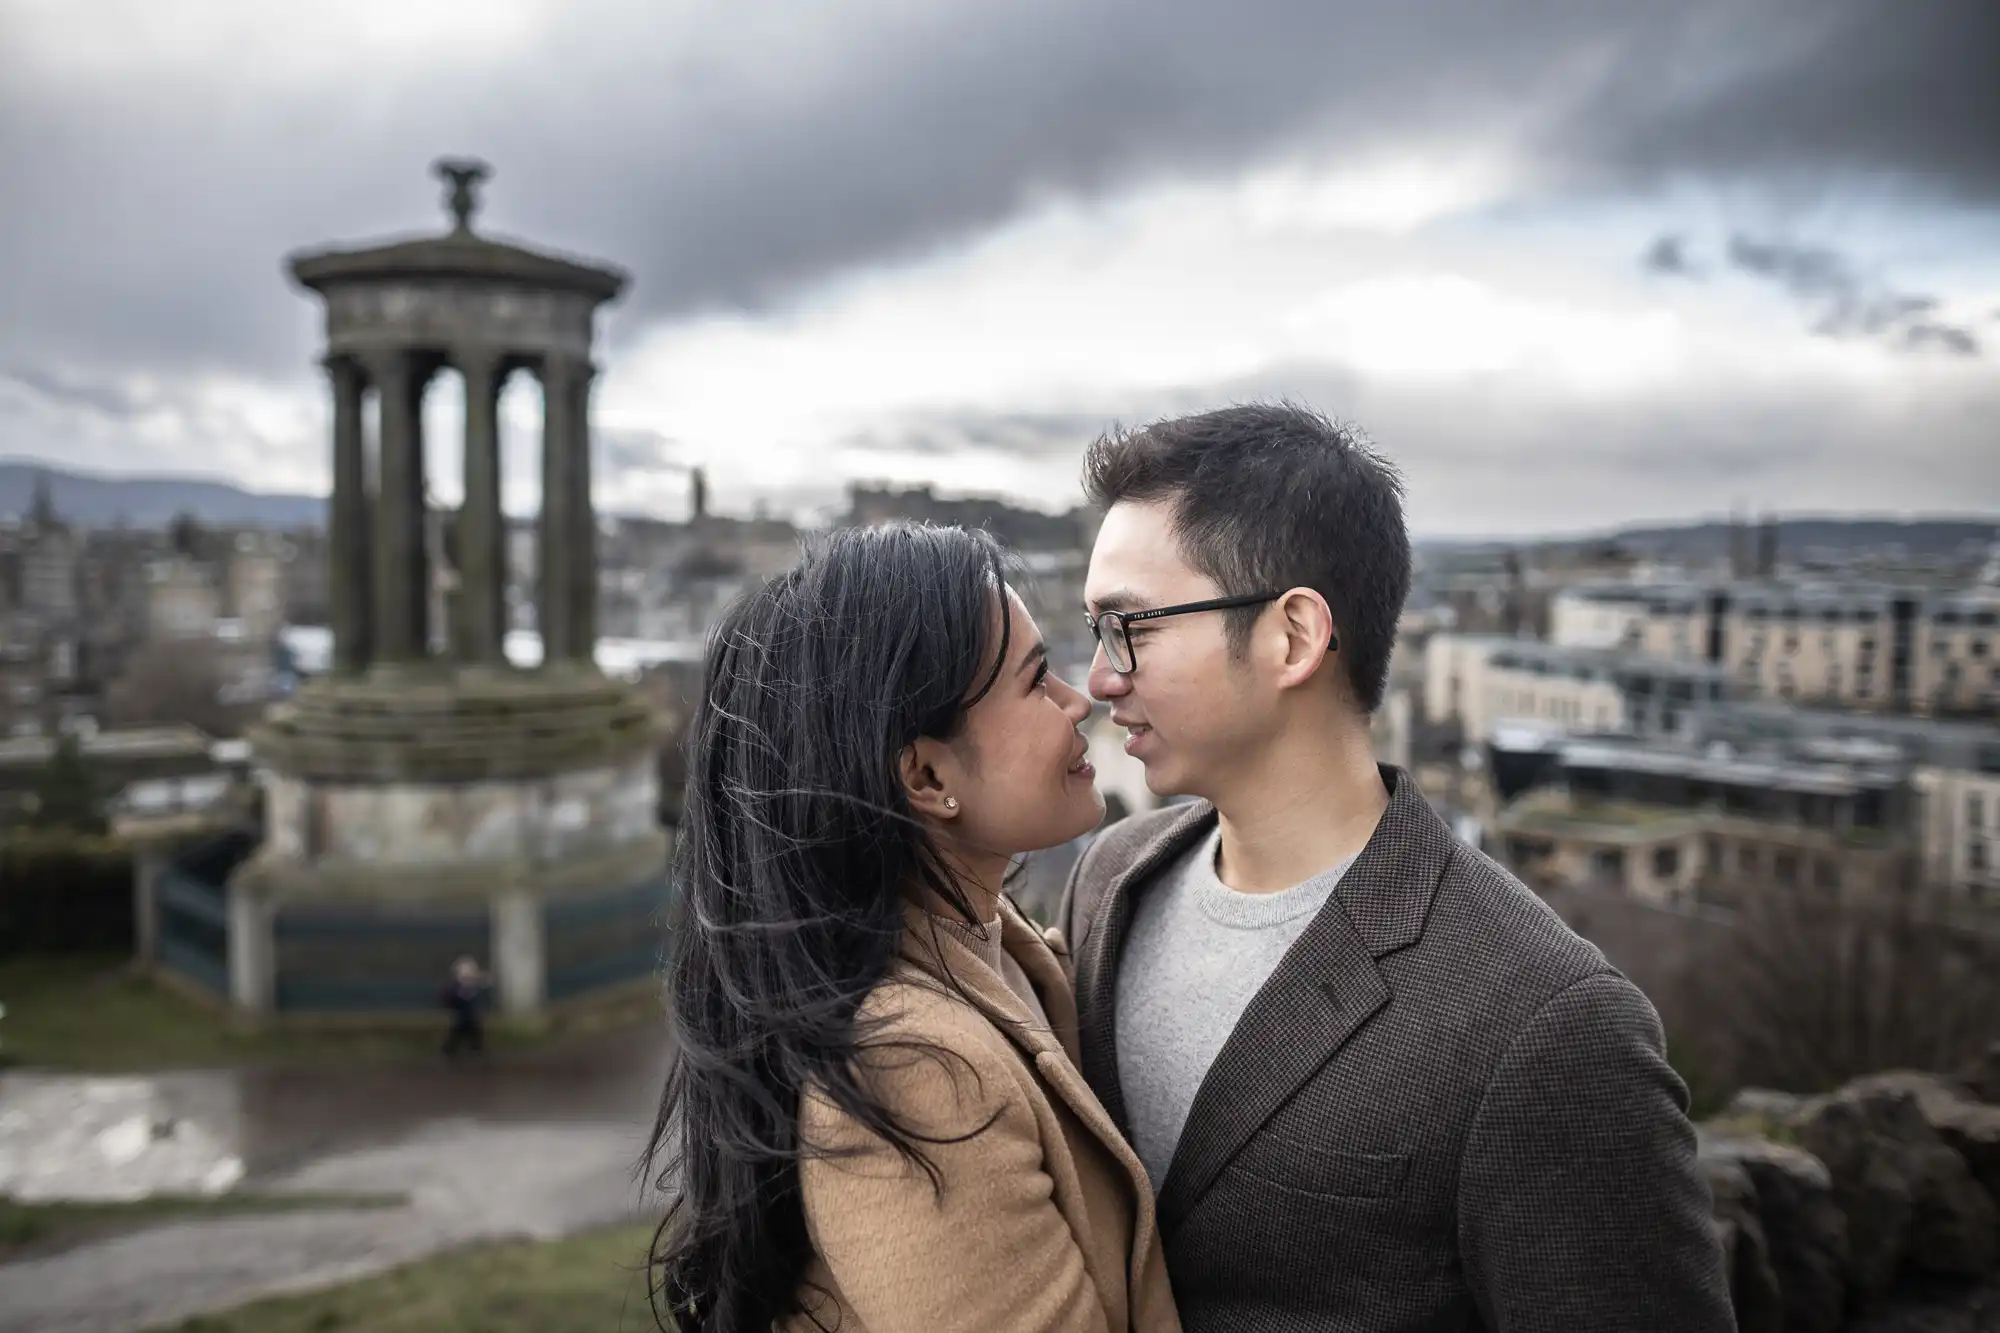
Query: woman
x: 874, y: 1121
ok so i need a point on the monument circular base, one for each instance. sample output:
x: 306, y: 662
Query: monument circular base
x: 460, y: 724
x: 421, y: 814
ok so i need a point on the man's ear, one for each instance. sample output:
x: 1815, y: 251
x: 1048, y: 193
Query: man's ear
x: 1310, y: 637
x: 918, y: 767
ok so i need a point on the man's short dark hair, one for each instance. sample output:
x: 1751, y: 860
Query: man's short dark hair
x: 1270, y: 497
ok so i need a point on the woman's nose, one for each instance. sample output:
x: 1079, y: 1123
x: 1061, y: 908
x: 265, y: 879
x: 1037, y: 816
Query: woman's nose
x: 1074, y: 703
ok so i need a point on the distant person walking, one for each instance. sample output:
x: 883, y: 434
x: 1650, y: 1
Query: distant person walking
x: 463, y: 995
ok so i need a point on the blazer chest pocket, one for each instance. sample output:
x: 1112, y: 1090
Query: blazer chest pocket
x: 1322, y: 1171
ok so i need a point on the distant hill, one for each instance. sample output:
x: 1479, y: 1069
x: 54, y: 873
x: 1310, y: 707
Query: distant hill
x: 1711, y: 539
x: 99, y: 501
x: 1923, y: 536
x: 151, y: 502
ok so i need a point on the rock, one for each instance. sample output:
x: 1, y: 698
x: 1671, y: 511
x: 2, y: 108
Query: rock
x: 1909, y: 1199
x: 1982, y: 1076
x: 1944, y: 1308
x: 1739, y: 1226
x: 1862, y: 1142
x: 1969, y: 1127
x: 1766, y: 1104
x: 1804, y: 1229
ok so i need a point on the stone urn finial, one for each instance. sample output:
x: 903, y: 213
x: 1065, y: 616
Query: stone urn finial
x: 463, y: 175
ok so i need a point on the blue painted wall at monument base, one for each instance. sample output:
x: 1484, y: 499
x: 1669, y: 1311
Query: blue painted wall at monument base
x: 360, y: 958
x: 604, y: 939
x: 191, y: 898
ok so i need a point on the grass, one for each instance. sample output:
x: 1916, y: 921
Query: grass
x: 593, y: 1282
x: 43, y: 1226
x: 95, y: 1013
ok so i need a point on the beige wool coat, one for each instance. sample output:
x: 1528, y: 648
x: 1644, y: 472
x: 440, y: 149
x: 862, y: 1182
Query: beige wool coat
x: 1043, y: 1222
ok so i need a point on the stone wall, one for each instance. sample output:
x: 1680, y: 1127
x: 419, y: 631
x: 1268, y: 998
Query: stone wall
x: 1871, y: 1209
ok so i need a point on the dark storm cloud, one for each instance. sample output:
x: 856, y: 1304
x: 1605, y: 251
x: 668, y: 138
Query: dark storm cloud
x: 1548, y: 463
x: 1018, y: 434
x: 148, y: 212
x: 1794, y: 94
x: 1845, y: 304
x: 104, y: 397
x: 1668, y: 255
x: 1485, y: 457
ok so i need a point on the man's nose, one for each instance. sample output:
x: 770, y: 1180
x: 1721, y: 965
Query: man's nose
x: 1104, y: 682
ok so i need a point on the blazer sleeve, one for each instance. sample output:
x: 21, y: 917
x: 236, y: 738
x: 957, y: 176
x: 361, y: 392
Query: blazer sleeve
x: 987, y: 1248
x: 1580, y: 1205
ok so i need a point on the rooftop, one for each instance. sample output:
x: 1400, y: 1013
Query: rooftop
x: 1815, y: 595
x: 1598, y: 663
x: 1552, y: 812
x: 1920, y: 740
x: 128, y: 743
x: 1724, y: 766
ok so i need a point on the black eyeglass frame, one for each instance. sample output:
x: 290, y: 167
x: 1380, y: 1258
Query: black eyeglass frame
x: 1122, y: 622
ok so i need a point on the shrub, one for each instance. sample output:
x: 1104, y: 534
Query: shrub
x: 64, y: 892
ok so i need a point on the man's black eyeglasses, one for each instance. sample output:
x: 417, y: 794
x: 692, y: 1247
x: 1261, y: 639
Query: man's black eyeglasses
x: 1113, y: 628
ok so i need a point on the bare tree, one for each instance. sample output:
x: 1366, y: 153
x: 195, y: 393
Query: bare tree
x: 170, y: 681
x: 1808, y: 994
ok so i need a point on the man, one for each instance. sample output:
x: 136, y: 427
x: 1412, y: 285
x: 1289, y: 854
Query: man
x: 1376, y: 1082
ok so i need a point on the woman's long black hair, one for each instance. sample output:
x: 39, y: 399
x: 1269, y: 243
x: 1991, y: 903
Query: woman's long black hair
x: 797, y: 852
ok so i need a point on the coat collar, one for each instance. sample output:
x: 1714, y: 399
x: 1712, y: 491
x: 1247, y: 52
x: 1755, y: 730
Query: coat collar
x: 1051, y: 1050
x: 943, y: 957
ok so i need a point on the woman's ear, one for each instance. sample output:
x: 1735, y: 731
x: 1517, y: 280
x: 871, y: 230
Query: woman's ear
x: 918, y: 767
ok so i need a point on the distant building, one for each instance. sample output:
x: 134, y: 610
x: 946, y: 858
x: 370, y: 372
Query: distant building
x: 662, y: 579
x: 50, y: 558
x: 1391, y: 728
x: 1481, y: 681
x: 1020, y: 527
x: 256, y: 585
x: 140, y: 764
x: 1958, y: 668
x: 182, y: 601
x: 1961, y: 827
x: 1812, y: 799
x: 1873, y: 647
x: 1673, y: 824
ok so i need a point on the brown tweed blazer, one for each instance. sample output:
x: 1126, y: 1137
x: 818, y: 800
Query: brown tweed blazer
x: 1444, y: 1111
x: 1043, y: 1217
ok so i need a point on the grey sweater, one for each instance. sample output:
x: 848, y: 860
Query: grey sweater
x: 1197, y: 954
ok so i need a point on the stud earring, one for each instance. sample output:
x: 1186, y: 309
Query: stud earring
x: 951, y: 803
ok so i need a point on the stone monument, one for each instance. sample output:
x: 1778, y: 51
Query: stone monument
x: 425, y: 799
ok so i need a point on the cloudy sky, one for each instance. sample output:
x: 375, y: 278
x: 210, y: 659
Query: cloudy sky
x: 1570, y: 263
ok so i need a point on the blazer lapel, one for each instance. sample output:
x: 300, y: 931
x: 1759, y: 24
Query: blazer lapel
x: 1324, y: 989
x: 1097, y: 958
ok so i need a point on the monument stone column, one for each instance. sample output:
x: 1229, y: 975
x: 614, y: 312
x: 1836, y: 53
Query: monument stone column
x: 482, y: 556
x: 556, y: 557
x: 582, y: 522
x: 349, y: 590
x: 402, y: 578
